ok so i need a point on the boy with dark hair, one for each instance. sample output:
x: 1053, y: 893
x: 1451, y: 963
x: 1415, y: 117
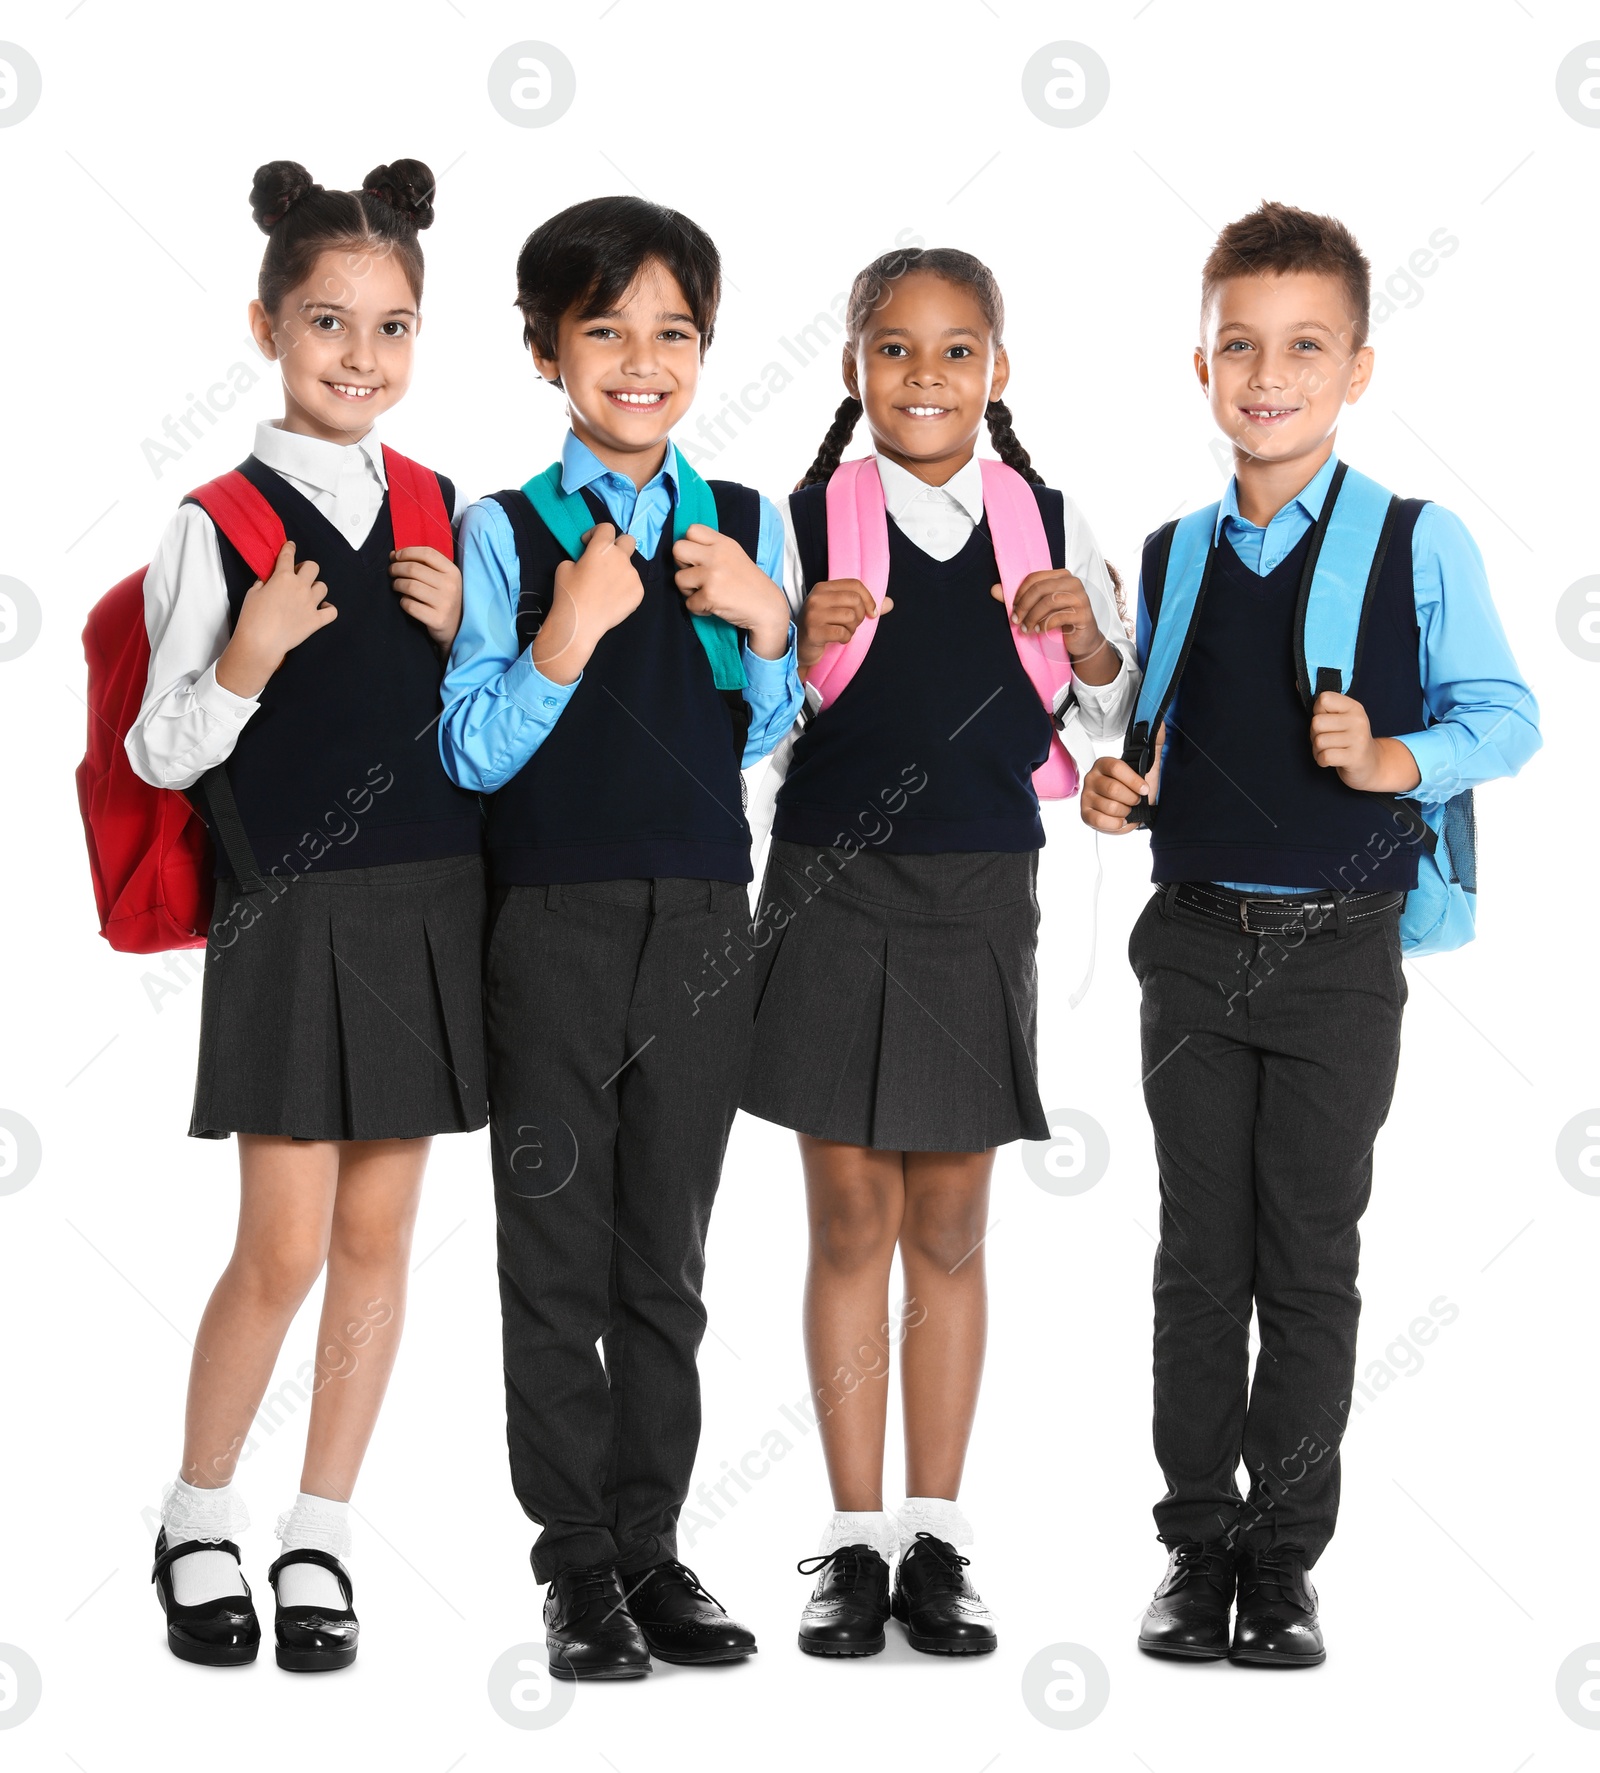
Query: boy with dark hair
x: 1345, y: 683
x: 625, y: 649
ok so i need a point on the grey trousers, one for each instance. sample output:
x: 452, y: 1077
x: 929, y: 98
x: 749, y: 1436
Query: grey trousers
x: 618, y: 1036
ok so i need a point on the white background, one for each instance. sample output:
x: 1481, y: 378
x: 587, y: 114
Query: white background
x: 805, y: 139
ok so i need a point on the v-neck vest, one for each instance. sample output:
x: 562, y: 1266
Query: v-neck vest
x: 339, y: 766
x: 938, y: 734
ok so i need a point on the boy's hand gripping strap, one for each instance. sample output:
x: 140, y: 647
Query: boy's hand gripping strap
x: 569, y: 519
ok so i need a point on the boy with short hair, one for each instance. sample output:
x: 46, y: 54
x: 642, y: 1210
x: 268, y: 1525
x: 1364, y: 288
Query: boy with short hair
x: 1286, y: 803
x: 624, y: 650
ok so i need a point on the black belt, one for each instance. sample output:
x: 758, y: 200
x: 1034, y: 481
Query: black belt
x: 1275, y: 914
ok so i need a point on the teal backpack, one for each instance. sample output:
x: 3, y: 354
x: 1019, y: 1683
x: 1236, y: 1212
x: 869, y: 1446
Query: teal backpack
x: 1348, y: 544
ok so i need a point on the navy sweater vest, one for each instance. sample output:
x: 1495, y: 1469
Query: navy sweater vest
x: 639, y: 778
x: 1241, y: 796
x: 940, y: 730
x: 339, y: 766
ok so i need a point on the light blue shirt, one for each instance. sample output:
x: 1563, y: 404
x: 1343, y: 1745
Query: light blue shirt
x: 499, y: 708
x: 1485, y: 719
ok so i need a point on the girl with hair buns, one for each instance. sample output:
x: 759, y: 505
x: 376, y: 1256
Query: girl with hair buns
x: 341, y: 1010
x: 898, y: 917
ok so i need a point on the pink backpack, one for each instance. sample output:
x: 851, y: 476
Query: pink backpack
x: 858, y: 548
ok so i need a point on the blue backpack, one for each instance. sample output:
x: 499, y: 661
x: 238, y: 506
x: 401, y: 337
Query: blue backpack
x: 1348, y: 544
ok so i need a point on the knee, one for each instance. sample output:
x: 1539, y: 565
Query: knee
x: 853, y: 1229
x: 279, y: 1278
x: 944, y: 1234
x: 368, y: 1243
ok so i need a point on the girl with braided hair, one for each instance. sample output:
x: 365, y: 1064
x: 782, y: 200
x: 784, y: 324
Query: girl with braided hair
x: 897, y: 922
x: 342, y: 1010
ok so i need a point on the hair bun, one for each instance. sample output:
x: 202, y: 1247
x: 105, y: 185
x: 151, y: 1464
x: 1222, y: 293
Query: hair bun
x: 278, y: 187
x: 407, y: 187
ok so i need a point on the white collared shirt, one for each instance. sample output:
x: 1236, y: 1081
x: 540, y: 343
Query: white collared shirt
x: 940, y: 519
x: 188, y: 723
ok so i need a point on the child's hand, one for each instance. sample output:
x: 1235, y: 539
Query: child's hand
x: 430, y: 589
x: 1056, y: 600
x: 1112, y: 787
x: 277, y: 613
x: 831, y: 613
x: 1341, y: 739
x: 718, y: 578
x: 593, y: 594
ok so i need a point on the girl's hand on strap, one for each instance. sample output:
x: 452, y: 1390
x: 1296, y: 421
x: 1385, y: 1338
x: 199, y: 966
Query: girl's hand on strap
x: 831, y: 613
x: 1058, y: 600
x: 1112, y: 787
x: 593, y: 594
x: 718, y: 578
x: 430, y: 590
x: 277, y: 613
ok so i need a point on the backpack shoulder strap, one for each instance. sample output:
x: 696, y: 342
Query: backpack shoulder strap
x: 808, y: 512
x: 1348, y: 547
x: 417, y: 509
x: 240, y: 510
x: 1016, y: 526
x: 858, y: 548
x: 696, y: 503
x: 1053, y: 514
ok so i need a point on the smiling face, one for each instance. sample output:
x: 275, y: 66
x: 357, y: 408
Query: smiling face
x: 343, y: 340
x: 925, y: 367
x: 630, y: 374
x: 1279, y: 363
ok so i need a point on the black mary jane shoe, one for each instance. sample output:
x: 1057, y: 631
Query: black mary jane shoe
x: 940, y: 1609
x: 589, y: 1633
x: 223, y: 1633
x: 1276, y: 1624
x: 1188, y: 1616
x: 847, y: 1610
x: 681, y: 1622
x: 312, y: 1640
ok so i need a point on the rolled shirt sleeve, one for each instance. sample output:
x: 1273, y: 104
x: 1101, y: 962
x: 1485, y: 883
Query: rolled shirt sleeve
x: 1484, y: 721
x: 188, y: 723
x: 499, y: 708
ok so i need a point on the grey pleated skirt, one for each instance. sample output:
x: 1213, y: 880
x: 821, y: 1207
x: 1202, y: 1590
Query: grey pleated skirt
x: 897, y: 999
x: 349, y: 1006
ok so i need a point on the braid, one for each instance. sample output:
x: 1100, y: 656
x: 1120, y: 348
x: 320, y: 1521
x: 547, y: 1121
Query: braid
x: 1006, y: 446
x: 839, y: 434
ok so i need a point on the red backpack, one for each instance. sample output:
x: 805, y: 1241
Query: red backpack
x: 149, y: 851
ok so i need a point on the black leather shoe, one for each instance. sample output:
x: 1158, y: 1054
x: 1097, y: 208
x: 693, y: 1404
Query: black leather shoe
x: 937, y: 1605
x: 1189, y: 1615
x: 223, y: 1633
x: 681, y: 1622
x: 589, y: 1632
x: 312, y: 1640
x: 1277, y: 1617
x: 847, y: 1610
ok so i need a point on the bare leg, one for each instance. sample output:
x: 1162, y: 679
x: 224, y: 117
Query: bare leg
x: 286, y: 1197
x: 855, y: 1198
x: 363, y: 1307
x: 946, y: 1312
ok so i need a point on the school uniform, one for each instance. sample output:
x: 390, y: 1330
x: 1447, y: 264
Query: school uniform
x: 342, y: 989
x: 619, y: 852
x: 897, y: 923
x: 1269, y: 1052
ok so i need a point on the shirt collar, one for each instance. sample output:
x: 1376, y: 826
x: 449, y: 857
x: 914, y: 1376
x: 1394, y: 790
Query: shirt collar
x: 902, y: 489
x: 312, y: 459
x: 581, y: 467
x: 1310, y: 498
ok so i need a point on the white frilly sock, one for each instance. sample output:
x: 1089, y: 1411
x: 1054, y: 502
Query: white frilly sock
x: 315, y: 1523
x: 935, y: 1515
x: 187, y: 1513
x: 872, y: 1527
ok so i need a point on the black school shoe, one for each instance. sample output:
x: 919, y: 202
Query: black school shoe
x: 222, y: 1633
x: 1188, y: 1618
x: 312, y: 1640
x: 940, y: 1609
x: 589, y: 1633
x: 680, y: 1621
x: 850, y: 1604
x: 1277, y: 1622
